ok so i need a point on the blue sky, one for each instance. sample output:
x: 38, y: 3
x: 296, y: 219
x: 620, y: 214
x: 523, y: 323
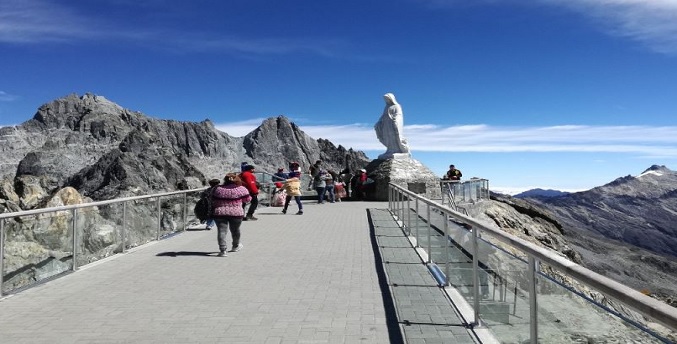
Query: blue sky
x: 563, y: 94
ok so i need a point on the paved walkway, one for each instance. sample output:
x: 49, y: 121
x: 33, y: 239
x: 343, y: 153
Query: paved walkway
x: 340, y: 273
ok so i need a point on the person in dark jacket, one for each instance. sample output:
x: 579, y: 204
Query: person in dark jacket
x: 453, y: 173
x: 206, y: 194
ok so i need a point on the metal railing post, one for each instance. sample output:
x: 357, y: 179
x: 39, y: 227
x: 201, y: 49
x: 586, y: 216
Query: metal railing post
x: 475, y: 276
x: 417, y: 217
x: 159, y: 219
x: 430, y: 229
x: 391, y: 190
x: 408, y: 216
x: 533, y: 304
x: 447, y: 267
x: 75, y: 239
x: 2, y: 254
x: 185, y: 211
x: 399, y: 206
x: 124, y: 226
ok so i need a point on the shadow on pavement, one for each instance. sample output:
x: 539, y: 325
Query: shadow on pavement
x: 186, y: 253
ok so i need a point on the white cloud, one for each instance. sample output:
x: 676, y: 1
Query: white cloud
x: 27, y: 21
x: 651, y: 22
x: 6, y: 97
x: 38, y: 21
x: 643, y: 141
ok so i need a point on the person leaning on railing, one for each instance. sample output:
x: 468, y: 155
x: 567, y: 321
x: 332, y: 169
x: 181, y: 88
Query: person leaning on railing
x: 453, y: 173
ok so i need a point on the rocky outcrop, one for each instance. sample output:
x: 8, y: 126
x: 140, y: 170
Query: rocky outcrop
x: 636, y: 210
x: 651, y: 274
x: 105, y: 151
x: 404, y: 171
x: 540, y: 220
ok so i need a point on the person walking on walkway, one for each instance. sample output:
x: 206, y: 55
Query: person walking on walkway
x: 249, y: 182
x: 206, y: 194
x: 292, y: 187
x: 227, y: 200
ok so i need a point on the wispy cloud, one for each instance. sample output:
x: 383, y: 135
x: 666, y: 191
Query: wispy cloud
x: 40, y: 21
x: 653, y: 23
x: 28, y: 21
x: 642, y: 141
x: 6, y: 97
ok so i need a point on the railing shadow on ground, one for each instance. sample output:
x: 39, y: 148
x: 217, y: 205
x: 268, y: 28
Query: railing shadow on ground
x: 500, y: 282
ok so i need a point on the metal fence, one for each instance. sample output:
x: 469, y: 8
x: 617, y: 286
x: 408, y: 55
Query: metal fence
x: 42, y: 244
x: 519, y: 291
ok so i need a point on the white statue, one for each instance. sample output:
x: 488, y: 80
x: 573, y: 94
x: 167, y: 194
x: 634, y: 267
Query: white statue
x: 389, y: 128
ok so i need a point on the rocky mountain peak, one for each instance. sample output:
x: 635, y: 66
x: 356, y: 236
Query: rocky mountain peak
x: 104, y: 150
x: 655, y: 170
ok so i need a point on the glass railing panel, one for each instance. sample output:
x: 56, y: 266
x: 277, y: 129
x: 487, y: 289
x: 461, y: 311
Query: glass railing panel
x: 171, y: 215
x: 99, y: 232
x: 567, y: 317
x: 37, y: 248
x: 191, y: 200
x: 503, y: 292
x: 141, y: 222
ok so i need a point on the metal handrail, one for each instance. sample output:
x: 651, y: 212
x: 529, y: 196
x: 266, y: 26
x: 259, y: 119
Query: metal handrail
x: 74, y: 209
x: 639, y: 302
x: 93, y: 204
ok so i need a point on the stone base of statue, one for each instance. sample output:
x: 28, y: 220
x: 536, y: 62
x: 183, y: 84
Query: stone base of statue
x: 404, y: 171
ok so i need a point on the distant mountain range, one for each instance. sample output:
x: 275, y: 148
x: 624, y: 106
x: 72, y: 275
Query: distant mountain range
x: 540, y: 193
x: 641, y: 210
x: 105, y: 151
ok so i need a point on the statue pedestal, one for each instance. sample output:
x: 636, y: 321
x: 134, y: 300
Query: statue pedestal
x: 404, y: 171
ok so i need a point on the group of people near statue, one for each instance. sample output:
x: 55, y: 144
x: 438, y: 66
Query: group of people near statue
x: 235, y: 199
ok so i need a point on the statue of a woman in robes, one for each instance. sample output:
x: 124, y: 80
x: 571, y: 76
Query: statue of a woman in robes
x: 389, y: 128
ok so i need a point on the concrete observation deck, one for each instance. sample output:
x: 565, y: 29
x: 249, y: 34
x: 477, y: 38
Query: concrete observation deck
x: 340, y: 273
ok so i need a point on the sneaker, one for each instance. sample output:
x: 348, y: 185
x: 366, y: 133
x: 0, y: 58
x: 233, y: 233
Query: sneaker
x: 251, y: 217
x: 208, y: 228
x: 237, y: 248
x: 300, y: 212
x: 284, y: 211
x: 222, y: 254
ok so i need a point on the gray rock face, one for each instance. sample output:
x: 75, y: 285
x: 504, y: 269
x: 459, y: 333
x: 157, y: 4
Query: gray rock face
x: 623, y: 230
x: 105, y: 151
x: 640, y: 211
x: 405, y: 172
x: 649, y: 273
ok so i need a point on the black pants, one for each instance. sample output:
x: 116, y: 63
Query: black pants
x: 252, y: 205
